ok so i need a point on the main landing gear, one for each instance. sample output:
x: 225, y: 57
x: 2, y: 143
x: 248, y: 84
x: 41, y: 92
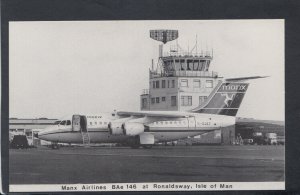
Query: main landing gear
x: 54, y: 146
x: 136, y: 146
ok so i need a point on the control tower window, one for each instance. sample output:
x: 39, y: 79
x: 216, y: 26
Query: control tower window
x: 163, y: 99
x: 186, y: 100
x: 168, y: 84
x: 196, y: 65
x: 157, y: 100
x: 197, y: 84
x: 189, y: 64
x: 177, y: 65
x: 157, y: 84
x: 144, y: 103
x: 173, y: 101
x: 173, y: 83
x: 209, y: 84
x: 202, y: 99
x: 153, y: 85
x: 202, y: 65
x: 152, y: 100
x: 163, y: 84
x: 184, y: 83
x: 183, y: 65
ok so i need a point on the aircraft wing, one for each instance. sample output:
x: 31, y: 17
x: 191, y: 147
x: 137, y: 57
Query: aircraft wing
x: 166, y: 114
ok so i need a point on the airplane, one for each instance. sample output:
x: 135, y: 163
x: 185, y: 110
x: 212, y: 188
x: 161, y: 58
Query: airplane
x: 145, y: 128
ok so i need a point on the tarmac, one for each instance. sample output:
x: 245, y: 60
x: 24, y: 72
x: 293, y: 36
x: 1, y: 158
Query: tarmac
x: 70, y: 165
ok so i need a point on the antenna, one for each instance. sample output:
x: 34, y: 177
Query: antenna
x: 196, y: 44
x: 164, y: 35
x: 188, y: 48
x: 152, y: 65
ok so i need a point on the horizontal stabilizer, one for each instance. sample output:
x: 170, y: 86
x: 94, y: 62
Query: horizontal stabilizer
x: 240, y: 79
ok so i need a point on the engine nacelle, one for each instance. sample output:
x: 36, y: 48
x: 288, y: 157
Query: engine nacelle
x: 115, y: 128
x: 131, y: 129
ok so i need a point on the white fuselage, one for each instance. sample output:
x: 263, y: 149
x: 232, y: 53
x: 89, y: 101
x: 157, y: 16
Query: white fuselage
x: 163, y: 129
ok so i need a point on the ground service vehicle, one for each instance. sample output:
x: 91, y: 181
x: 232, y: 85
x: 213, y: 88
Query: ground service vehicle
x: 258, y: 138
x: 271, y: 138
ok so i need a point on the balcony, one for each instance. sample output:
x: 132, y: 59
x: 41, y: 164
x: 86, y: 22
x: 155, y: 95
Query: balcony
x: 188, y: 54
x: 145, y: 92
x: 185, y: 73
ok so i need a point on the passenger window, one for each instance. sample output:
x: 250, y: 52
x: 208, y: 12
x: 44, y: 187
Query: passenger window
x: 91, y: 123
x: 95, y: 123
x: 100, y: 123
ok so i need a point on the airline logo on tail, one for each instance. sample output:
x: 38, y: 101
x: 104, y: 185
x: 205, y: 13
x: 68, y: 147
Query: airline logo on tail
x: 227, y: 98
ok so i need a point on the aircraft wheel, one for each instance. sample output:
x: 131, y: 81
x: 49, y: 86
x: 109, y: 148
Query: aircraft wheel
x: 55, y: 146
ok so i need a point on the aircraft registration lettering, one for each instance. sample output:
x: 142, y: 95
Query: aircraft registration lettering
x: 205, y: 123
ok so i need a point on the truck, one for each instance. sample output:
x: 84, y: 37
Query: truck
x: 280, y: 140
x: 270, y: 139
x: 258, y: 138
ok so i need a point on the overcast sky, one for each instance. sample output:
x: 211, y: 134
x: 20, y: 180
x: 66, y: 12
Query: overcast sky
x: 59, y: 68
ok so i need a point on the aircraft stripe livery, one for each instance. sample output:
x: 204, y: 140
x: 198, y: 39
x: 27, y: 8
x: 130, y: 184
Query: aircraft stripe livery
x: 144, y: 128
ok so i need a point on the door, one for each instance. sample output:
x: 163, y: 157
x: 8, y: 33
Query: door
x: 83, y: 123
x: 191, y: 122
x: 76, y: 123
x: 79, y: 123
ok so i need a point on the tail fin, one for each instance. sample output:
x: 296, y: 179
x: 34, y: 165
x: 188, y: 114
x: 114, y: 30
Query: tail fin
x: 226, y: 98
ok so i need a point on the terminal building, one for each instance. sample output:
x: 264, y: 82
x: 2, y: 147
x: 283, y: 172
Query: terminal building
x: 28, y: 127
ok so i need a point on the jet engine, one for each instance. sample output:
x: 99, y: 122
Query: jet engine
x: 115, y: 128
x: 131, y: 129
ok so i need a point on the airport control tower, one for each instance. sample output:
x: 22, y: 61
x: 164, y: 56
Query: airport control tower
x: 181, y: 80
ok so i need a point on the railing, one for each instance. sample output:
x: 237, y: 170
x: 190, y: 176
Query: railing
x: 145, y: 92
x: 185, y: 74
x: 187, y: 54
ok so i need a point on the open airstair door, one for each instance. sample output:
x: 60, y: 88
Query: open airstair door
x: 79, y: 123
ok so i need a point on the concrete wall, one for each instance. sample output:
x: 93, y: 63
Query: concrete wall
x: 178, y: 90
x: 166, y: 92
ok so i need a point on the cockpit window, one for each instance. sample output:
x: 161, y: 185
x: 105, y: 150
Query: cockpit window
x: 63, y: 122
x: 68, y: 122
x: 56, y: 122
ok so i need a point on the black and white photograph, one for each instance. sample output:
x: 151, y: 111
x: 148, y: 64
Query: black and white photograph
x: 146, y: 105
